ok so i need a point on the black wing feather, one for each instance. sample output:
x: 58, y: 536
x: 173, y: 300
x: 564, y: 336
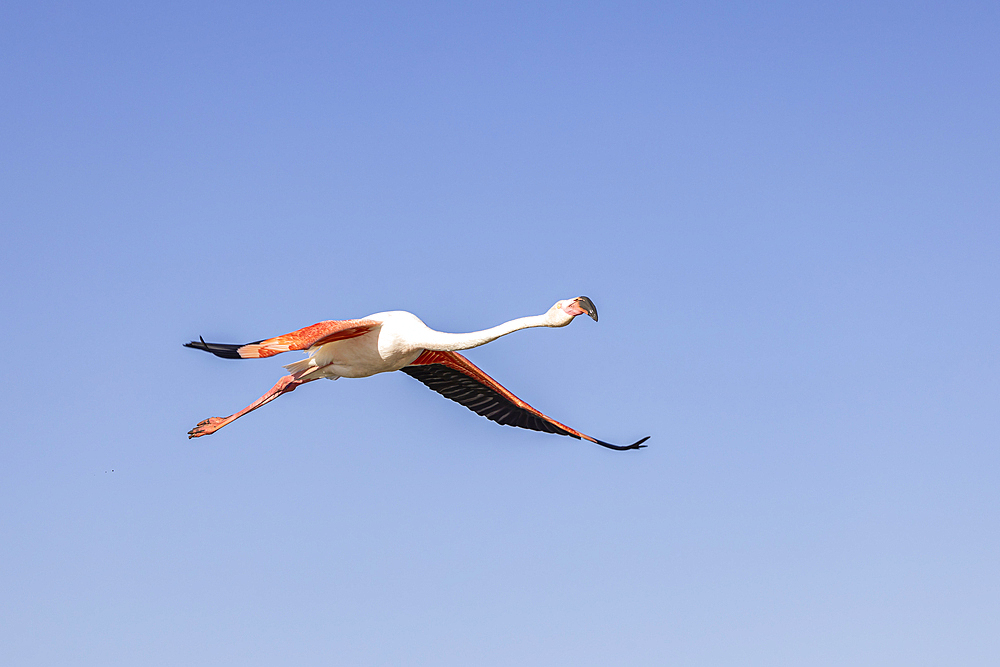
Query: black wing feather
x: 224, y: 350
x: 482, y: 400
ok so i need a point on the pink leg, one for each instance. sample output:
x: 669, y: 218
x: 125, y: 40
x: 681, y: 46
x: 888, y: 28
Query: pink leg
x: 213, y: 424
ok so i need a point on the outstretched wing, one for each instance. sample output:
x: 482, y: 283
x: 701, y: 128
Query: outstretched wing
x: 303, y: 339
x: 455, y: 377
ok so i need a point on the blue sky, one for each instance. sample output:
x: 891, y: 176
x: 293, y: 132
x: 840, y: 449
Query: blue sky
x: 786, y: 213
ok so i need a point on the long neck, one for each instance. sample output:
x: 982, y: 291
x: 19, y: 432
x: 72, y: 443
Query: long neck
x: 450, y: 342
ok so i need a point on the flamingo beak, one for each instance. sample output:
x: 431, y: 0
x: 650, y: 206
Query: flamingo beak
x: 587, y: 306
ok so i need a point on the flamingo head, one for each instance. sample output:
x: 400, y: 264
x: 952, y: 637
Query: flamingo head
x: 564, y: 311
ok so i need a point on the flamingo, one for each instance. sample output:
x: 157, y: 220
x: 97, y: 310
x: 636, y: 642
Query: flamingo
x: 399, y: 341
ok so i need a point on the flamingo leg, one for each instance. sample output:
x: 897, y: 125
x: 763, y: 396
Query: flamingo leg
x: 283, y: 386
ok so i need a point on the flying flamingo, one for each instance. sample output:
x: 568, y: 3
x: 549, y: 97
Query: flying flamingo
x: 399, y: 341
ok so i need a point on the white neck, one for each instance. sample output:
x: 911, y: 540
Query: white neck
x: 449, y: 342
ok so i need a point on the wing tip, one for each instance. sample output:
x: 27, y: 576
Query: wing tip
x: 621, y: 448
x: 224, y: 350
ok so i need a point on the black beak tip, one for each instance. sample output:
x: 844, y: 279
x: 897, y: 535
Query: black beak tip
x: 588, y: 306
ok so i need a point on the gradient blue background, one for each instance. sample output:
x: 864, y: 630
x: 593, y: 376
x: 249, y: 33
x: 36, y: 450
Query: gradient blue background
x: 788, y: 215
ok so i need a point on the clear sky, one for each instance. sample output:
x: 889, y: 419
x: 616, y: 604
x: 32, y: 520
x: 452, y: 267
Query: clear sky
x: 788, y: 215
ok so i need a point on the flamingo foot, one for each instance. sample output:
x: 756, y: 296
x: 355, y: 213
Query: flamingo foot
x: 206, y: 427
